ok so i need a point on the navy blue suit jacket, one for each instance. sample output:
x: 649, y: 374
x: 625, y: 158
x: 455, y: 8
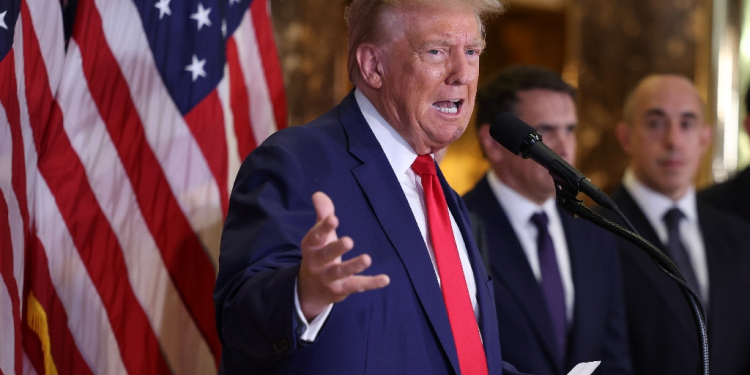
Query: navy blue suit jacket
x: 731, y: 196
x: 597, y: 331
x: 663, y: 335
x: 400, y: 329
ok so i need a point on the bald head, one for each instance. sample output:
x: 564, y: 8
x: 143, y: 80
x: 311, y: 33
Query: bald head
x: 659, y: 85
x: 664, y: 133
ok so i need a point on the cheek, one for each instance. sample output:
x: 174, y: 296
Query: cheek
x: 534, y: 173
x: 694, y: 159
x: 428, y: 78
x: 647, y: 149
x: 542, y: 175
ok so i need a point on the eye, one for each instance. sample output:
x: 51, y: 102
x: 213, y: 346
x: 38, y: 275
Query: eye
x: 474, y: 52
x: 688, y: 124
x: 433, y: 52
x: 655, y: 123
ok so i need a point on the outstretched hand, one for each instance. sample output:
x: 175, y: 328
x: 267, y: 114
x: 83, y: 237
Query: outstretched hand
x: 323, y: 278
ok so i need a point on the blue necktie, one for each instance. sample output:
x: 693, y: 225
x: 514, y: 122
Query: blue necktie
x: 551, y: 281
x: 676, y: 250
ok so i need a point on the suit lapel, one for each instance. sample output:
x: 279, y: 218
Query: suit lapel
x: 518, y: 280
x: 379, y: 184
x: 665, y: 286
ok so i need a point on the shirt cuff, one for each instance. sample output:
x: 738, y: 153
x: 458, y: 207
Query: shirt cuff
x: 308, y: 331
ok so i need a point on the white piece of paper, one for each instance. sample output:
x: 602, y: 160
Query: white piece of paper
x: 584, y: 368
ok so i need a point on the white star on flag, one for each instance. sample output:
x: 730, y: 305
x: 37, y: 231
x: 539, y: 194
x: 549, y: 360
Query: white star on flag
x: 2, y: 20
x: 233, y: 1
x: 196, y: 67
x: 201, y: 16
x: 163, y: 6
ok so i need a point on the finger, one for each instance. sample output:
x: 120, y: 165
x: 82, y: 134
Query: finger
x: 322, y: 233
x: 349, y: 268
x: 359, y: 284
x: 323, y: 205
x: 334, y: 250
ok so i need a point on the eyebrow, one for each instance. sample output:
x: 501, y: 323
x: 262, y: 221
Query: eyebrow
x: 477, y: 43
x: 552, y: 127
x: 659, y: 112
x: 654, y: 112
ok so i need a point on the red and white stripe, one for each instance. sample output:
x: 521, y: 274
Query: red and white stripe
x: 113, y: 202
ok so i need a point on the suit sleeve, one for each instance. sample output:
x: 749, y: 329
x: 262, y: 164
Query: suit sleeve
x: 270, y: 211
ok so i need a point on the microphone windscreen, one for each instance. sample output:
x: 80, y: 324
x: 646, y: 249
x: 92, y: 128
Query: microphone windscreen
x: 510, y: 131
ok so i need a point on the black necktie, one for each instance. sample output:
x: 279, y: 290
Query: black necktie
x: 676, y: 250
x: 551, y: 281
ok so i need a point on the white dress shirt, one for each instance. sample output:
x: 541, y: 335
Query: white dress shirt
x: 519, y: 210
x: 655, y: 205
x: 400, y: 156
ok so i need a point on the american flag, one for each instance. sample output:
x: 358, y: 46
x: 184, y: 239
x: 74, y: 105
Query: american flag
x: 117, y: 155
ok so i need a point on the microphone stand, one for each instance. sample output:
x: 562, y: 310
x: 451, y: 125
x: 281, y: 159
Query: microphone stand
x: 566, y: 198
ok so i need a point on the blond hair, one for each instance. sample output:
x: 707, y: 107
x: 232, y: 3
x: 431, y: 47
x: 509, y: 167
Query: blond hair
x: 364, y: 17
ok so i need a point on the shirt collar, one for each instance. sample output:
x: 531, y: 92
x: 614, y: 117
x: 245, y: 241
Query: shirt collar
x: 399, y: 153
x: 518, y: 208
x: 655, y: 204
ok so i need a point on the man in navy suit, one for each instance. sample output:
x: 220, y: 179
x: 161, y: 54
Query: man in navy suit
x: 664, y: 134
x: 305, y: 290
x: 733, y: 195
x: 590, y: 323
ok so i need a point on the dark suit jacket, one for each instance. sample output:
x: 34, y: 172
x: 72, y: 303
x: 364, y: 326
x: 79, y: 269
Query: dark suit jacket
x: 732, y: 196
x: 663, y: 336
x: 598, y: 327
x: 400, y: 329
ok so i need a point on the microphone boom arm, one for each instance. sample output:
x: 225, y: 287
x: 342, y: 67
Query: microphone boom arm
x: 566, y: 198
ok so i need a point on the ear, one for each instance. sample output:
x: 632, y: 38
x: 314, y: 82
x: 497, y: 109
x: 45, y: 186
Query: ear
x: 492, y: 150
x: 370, y: 68
x: 706, y: 135
x: 623, y: 133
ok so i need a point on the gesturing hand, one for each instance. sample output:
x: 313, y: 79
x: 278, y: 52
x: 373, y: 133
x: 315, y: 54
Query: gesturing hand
x: 323, y: 278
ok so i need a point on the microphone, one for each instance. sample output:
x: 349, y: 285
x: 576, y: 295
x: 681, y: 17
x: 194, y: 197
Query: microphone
x: 521, y: 139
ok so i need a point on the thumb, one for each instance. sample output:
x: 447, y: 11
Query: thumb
x: 324, y: 230
x: 323, y: 205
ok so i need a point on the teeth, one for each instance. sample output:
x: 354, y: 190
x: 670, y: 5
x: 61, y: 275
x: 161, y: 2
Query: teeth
x: 449, y: 110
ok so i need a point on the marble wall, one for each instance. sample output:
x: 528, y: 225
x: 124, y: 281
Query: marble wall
x: 311, y: 40
x: 621, y: 41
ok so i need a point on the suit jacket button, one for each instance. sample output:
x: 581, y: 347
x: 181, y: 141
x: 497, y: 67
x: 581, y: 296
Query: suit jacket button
x: 281, y: 346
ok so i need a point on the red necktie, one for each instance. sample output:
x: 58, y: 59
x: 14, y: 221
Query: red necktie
x: 471, y: 357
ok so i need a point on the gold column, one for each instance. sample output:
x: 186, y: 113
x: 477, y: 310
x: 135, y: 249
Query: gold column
x: 311, y: 41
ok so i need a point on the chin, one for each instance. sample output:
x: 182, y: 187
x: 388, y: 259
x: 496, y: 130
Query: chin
x: 446, y: 136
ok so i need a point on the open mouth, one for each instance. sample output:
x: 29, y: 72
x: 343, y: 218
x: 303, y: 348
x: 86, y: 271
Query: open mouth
x: 448, y: 106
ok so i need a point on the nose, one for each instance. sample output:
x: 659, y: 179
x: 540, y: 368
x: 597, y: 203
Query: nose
x: 462, y: 71
x: 564, y: 144
x: 672, y: 138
